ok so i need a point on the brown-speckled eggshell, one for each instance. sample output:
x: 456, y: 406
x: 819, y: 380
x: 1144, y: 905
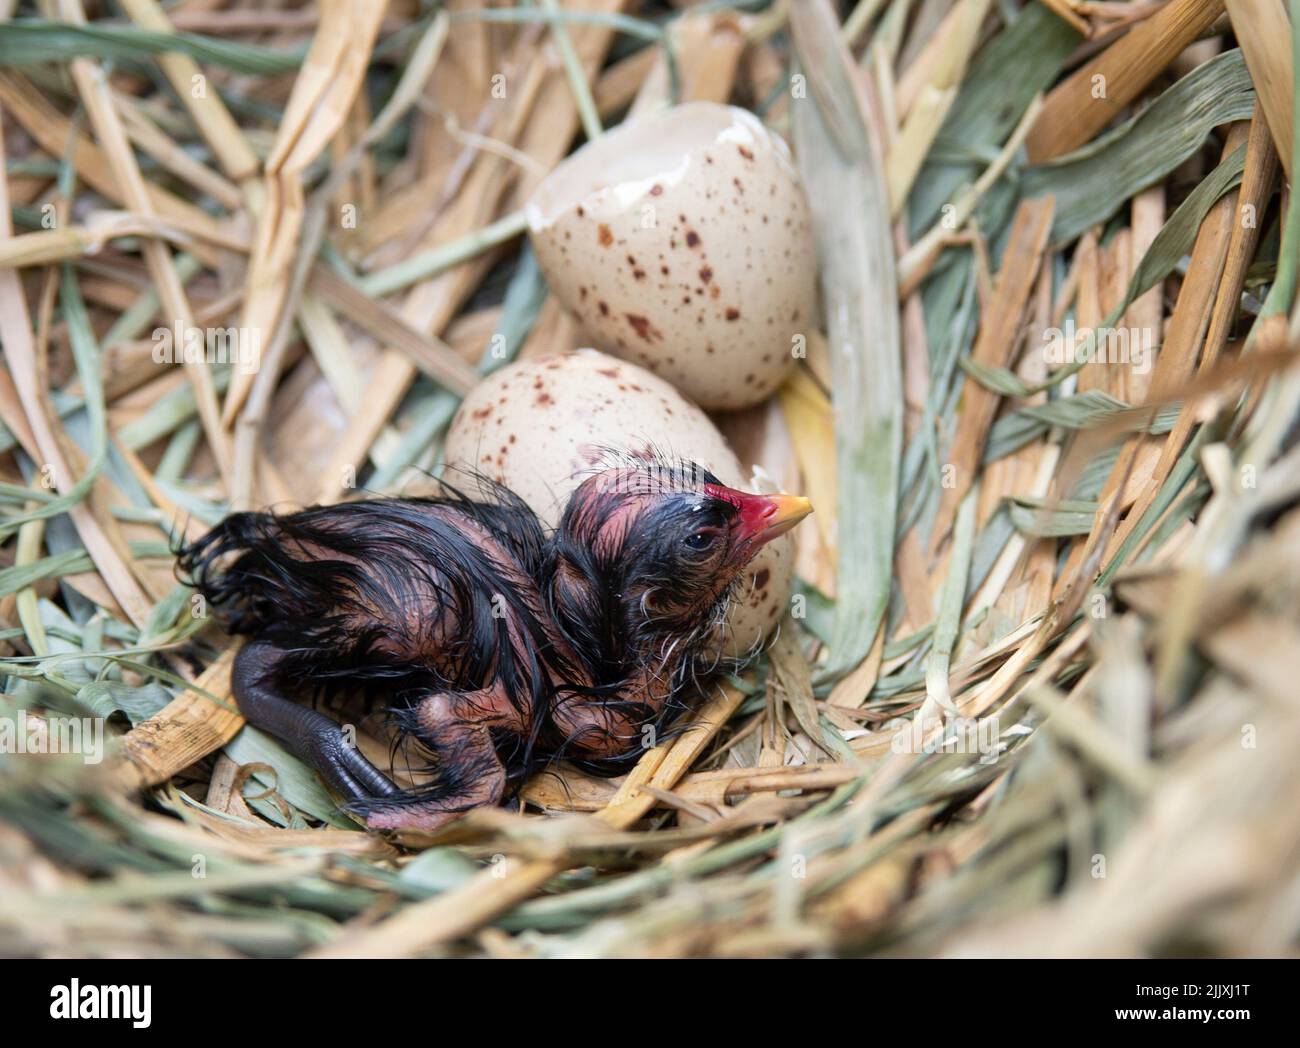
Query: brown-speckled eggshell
x: 682, y: 241
x: 541, y: 426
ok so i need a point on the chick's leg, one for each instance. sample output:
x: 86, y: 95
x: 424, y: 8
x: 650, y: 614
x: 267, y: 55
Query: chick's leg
x: 310, y: 735
x: 594, y: 730
x: 469, y: 774
x: 601, y: 728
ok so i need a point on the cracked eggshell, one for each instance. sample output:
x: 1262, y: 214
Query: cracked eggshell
x: 541, y: 426
x: 682, y: 240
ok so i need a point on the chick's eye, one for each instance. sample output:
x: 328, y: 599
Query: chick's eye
x: 700, y: 541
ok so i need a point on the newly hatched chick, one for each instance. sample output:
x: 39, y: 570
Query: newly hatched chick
x: 495, y: 646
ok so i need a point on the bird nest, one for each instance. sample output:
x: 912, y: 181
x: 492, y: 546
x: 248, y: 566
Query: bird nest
x: 1036, y: 693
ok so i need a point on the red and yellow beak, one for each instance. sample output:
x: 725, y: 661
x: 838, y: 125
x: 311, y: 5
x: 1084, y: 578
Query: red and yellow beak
x: 763, y: 517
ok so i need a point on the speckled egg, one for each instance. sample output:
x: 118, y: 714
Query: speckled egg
x: 541, y: 426
x: 682, y: 241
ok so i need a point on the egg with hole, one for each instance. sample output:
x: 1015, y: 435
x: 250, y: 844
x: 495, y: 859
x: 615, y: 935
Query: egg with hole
x: 541, y: 426
x: 683, y: 243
